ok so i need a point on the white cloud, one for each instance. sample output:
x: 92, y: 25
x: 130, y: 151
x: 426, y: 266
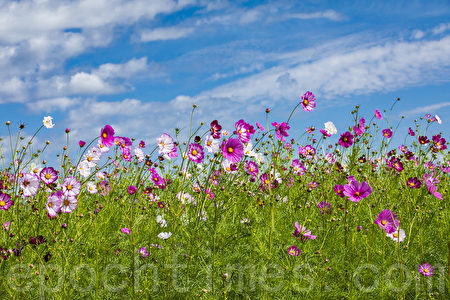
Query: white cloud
x: 84, y: 83
x: 441, y: 28
x: 327, y: 14
x: 418, y: 34
x: 425, y: 109
x: 167, y: 33
x: 125, y: 70
x: 53, y: 104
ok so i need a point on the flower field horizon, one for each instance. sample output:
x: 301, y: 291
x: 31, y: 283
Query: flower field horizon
x: 250, y: 213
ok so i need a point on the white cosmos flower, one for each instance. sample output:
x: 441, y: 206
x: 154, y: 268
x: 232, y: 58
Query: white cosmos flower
x: 48, y: 122
x: 29, y: 184
x: 84, y: 168
x: 398, y: 235
x: 161, y: 221
x: 248, y: 149
x: 330, y: 128
x: 165, y: 235
x: 212, y: 144
x: 91, y: 187
x: 438, y: 119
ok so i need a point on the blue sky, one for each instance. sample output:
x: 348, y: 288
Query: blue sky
x: 140, y: 65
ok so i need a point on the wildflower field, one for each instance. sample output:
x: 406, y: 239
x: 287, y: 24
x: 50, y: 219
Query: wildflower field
x: 251, y: 212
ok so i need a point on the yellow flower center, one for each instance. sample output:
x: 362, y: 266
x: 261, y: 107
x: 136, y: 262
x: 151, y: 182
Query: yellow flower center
x: 411, y: 183
x: 48, y: 176
x: 208, y: 143
x: 69, y: 187
x: 356, y: 193
x: 425, y: 270
x: 230, y: 150
x: 2, y: 203
x: 89, y: 158
x: 345, y: 139
x: 266, y: 181
x: 50, y: 204
x: 305, y: 102
x: 383, y: 222
x: 104, y: 135
x: 194, y: 152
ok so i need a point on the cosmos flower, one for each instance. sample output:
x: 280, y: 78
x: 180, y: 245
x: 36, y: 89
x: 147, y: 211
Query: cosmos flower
x: 131, y: 189
x: 439, y: 143
x: 339, y: 190
x: 308, y: 101
x: 423, y: 140
x: 69, y: 203
x: 281, y: 130
x: 232, y: 150
x: 29, y: 184
x: 355, y: 192
x: 54, y: 203
x: 125, y: 230
x: 48, y: 175
x: 346, y: 139
x: 251, y: 168
x: 293, y: 250
x: 397, y: 236
x: 215, y: 129
x: 165, y: 235
x: 387, y: 133
x: 244, y: 131
x: 165, y: 143
x: 47, y: 121
x: 325, y: 207
x: 91, y: 187
x: 413, y: 183
x: 387, y: 220
x: 107, y: 136
x: 195, y: 153
x: 259, y: 126
x: 71, y: 187
x: 5, y: 202
x: 426, y: 269
x: 308, y: 151
x: 84, y: 168
x: 303, y: 233
x: 378, y: 114
x: 411, y: 132
x: 298, y: 167
x: 212, y: 144
x: 330, y: 128
x: 360, y: 129
x: 143, y: 252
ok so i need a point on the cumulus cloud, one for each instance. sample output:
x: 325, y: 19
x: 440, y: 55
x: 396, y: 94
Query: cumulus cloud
x: 167, y: 33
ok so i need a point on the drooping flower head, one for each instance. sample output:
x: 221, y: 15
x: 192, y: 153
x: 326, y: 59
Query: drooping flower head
x: 107, y: 135
x: 5, y: 201
x: 360, y: 129
x: 215, y: 129
x: 387, y: 133
x: 308, y: 101
x: 303, y: 233
x: 196, y: 153
x: 426, y: 269
x: 48, y: 175
x: 281, y: 130
x: 355, y: 191
x: 378, y: 114
x: 346, y: 139
x: 232, y: 150
x: 411, y: 132
x: 259, y: 126
x: 387, y: 220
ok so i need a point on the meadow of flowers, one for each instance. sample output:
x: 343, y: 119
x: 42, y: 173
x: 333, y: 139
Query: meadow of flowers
x: 249, y: 212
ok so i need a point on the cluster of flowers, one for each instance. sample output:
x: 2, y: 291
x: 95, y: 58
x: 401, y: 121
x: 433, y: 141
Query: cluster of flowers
x: 387, y: 220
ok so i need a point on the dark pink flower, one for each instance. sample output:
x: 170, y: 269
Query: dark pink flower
x: 308, y: 101
x: 131, y: 189
x: 339, y: 190
x: 107, y: 135
x: 125, y: 230
x: 387, y: 133
x: 426, y: 269
x: 303, y: 233
x: 196, y: 153
x: 413, y: 183
x: 281, y: 130
x: 251, y: 168
x: 215, y: 129
x: 360, y: 128
x: 411, y: 132
x: 378, y: 114
x: 81, y: 143
x: 259, y: 126
x: 244, y: 131
x: 346, y: 139
x: 48, y: 175
x: 5, y: 201
x: 388, y: 221
x: 325, y: 207
x: 294, y: 251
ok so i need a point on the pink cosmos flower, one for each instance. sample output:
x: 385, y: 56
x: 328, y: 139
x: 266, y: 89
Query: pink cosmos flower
x: 251, y: 168
x: 303, y: 233
x: 355, y: 192
x: 378, y: 114
x: 215, y: 129
x: 107, y: 135
x: 232, y: 150
x: 411, y: 132
x: 439, y: 143
x: 426, y: 269
x: 165, y: 143
x: 339, y: 190
x: 244, y: 131
x: 54, y: 203
x: 5, y: 202
x: 143, y: 252
x: 294, y: 251
x: 360, y: 129
x: 298, y: 167
x: 413, y: 183
x: 196, y: 153
x: 308, y: 101
x: 387, y: 133
x: 308, y: 151
x: 388, y: 221
x: 125, y: 230
x: 346, y: 139
x: 131, y: 189
x: 259, y: 126
x: 325, y: 207
x: 281, y: 130
x: 48, y: 175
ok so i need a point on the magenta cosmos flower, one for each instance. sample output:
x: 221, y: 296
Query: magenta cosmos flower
x: 413, y: 183
x: 339, y: 190
x: 232, y: 150
x: 426, y: 269
x: 107, y: 135
x: 281, y: 130
x: 387, y: 133
x: 215, y: 129
x: 293, y: 250
x: 251, y: 168
x: 303, y: 233
x: 308, y: 101
x: 388, y: 221
x: 125, y: 230
x: 360, y: 129
x: 325, y: 207
x: 244, y: 131
x: 346, y: 139
x: 196, y: 153
x: 355, y: 191
x: 5, y: 201
x: 298, y: 167
x: 378, y: 114
x: 131, y: 189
